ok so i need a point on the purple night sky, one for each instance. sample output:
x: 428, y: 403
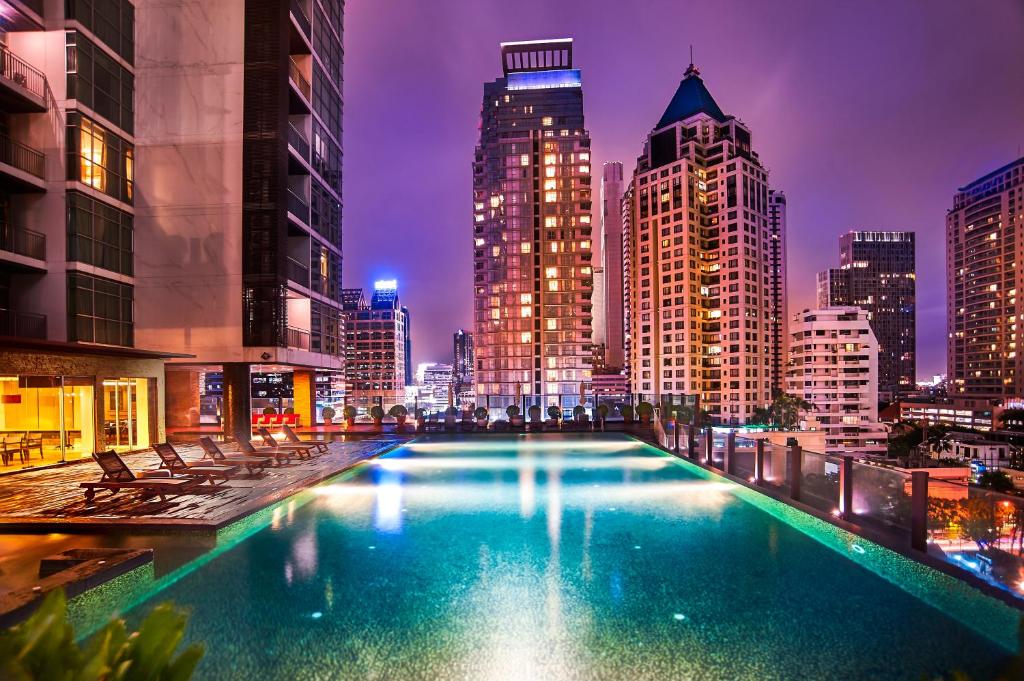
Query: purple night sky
x: 867, y: 114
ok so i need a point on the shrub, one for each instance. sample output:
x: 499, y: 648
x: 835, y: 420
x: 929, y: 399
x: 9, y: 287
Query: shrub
x: 43, y: 647
x: 269, y: 411
x: 480, y: 413
x: 534, y: 412
x: 348, y: 412
x: 602, y: 411
x: 555, y: 412
x: 627, y: 412
x: 289, y: 410
x: 420, y: 414
x: 512, y: 411
x: 376, y: 412
x: 398, y: 410
x: 645, y: 409
x: 327, y: 414
x: 578, y: 410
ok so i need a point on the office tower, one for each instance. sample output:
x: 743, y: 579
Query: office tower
x: 700, y: 280
x: 240, y: 130
x: 464, y: 363
x: 777, y: 288
x: 600, y: 336
x: 376, y: 339
x: 876, y: 274
x: 628, y: 244
x: 532, y: 228
x: 611, y: 263
x: 74, y: 375
x: 834, y: 366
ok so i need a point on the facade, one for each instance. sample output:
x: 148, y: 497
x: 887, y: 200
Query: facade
x: 876, y: 273
x: 984, y: 271
x: 610, y: 387
x: 74, y: 378
x: 243, y: 266
x: 464, y: 362
x: 984, y: 454
x: 375, y: 342
x: 976, y: 414
x: 532, y: 228
x: 833, y: 364
x: 611, y: 302
x: 779, y: 322
x: 700, y: 246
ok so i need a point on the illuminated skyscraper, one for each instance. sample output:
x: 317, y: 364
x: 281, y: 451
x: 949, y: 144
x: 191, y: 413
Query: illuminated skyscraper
x: 700, y: 291
x: 376, y: 346
x: 532, y: 227
x: 611, y: 263
x: 464, y: 364
x: 779, y: 322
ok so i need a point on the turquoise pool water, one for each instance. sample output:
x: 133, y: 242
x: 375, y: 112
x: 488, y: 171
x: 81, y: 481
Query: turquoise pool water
x: 581, y: 557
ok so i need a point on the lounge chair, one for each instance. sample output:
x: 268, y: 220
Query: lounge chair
x: 254, y: 464
x: 117, y: 476
x: 246, y: 447
x: 303, y: 451
x: 318, y: 445
x: 172, y: 461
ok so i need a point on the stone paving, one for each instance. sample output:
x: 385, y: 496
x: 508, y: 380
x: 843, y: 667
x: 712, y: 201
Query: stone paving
x: 51, y: 500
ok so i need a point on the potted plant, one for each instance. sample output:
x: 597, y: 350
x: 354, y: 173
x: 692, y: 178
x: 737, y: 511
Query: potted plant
x: 269, y: 411
x: 513, y: 416
x: 602, y: 412
x: 377, y: 414
x: 349, y: 413
x: 554, y: 412
x: 400, y: 413
x: 627, y: 413
x: 481, y: 417
x: 328, y: 415
x: 578, y: 412
x: 645, y: 410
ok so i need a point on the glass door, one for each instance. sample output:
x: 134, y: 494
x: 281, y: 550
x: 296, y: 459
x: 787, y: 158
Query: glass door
x: 126, y: 413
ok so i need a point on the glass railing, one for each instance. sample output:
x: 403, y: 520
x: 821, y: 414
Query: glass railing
x: 22, y: 157
x: 298, y: 272
x: 298, y: 338
x: 298, y: 141
x: 22, y: 241
x: 300, y: 80
x: 298, y: 206
x: 16, y: 70
x: 301, y: 18
x: 881, y: 495
x: 22, y: 324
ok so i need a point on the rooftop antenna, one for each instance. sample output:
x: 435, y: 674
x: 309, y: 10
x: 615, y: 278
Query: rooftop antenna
x: 691, y: 70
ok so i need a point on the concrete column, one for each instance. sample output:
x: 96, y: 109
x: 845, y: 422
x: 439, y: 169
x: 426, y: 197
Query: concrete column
x: 182, y: 398
x: 730, y: 452
x: 919, y: 510
x: 304, y: 396
x: 709, y: 444
x: 759, y: 463
x: 846, y: 487
x: 795, y: 457
x: 237, y: 409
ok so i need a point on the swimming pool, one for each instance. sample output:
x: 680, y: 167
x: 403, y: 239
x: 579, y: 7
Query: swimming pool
x: 565, y: 557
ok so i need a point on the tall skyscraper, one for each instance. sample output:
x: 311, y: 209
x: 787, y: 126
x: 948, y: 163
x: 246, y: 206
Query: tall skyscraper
x: 834, y: 366
x: 984, y: 273
x: 464, y: 364
x: 532, y: 227
x: 876, y: 273
x: 779, y: 320
x: 376, y: 344
x: 700, y: 279
x: 241, y: 217
x: 611, y: 263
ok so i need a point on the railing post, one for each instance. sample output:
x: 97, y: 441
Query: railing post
x: 730, y: 452
x: 709, y: 444
x: 675, y: 434
x: 759, y: 462
x: 795, y: 455
x: 919, y: 510
x: 846, y: 487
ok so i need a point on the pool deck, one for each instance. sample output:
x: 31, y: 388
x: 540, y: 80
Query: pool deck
x: 51, y: 500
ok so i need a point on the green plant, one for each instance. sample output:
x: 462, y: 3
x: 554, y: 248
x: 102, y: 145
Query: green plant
x: 420, y: 414
x: 398, y: 411
x: 554, y: 412
x: 327, y: 414
x: 43, y: 647
x: 996, y: 480
x: 289, y: 410
x: 534, y: 412
x: 480, y: 413
x: 786, y: 410
x: 602, y: 411
x: 512, y: 411
x: 627, y: 412
x: 645, y: 410
x: 349, y: 412
x: 579, y: 410
x: 376, y: 412
x: 269, y: 411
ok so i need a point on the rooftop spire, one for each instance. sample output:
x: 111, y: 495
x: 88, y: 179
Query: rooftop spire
x: 691, y: 70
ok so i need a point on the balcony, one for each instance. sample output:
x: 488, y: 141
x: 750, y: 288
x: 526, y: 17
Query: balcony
x: 298, y: 160
x: 298, y: 272
x: 22, y: 86
x: 22, y: 324
x: 298, y: 339
x: 302, y: 30
x: 299, y: 207
x: 301, y: 92
x: 23, y: 242
x: 22, y: 168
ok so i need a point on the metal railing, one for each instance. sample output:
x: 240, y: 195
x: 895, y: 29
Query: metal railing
x: 298, y: 206
x: 22, y: 157
x: 298, y: 338
x: 301, y: 18
x: 298, y: 272
x: 22, y: 324
x: 21, y: 73
x: 22, y: 241
x: 300, y: 80
x: 298, y: 141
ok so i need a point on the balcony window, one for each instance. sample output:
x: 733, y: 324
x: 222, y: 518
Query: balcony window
x: 93, y: 154
x: 100, y: 159
x: 99, y: 310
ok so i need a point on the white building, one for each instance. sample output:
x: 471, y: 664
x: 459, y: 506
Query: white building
x: 833, y: 364
x: 972, y: 447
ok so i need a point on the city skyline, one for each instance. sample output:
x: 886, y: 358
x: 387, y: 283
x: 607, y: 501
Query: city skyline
x: 823, y: 149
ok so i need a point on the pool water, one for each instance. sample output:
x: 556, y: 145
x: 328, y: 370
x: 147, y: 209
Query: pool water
x: 576, y: 557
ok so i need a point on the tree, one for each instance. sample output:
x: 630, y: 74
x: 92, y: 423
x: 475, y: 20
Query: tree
x: 761, y: 416
x: 996, y: 480
x: 786, y: 408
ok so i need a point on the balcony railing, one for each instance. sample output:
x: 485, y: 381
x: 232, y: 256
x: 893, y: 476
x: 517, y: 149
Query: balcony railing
x: 299, y: 141
x: 21, y: 73
x: 22, y: 324
x: 298, y: 206
x: 300, y: 80
x: 298, y: 338
x: 301, y: 18
x: 298, y: 272
x: 22, y: 241
x: 22, y: 157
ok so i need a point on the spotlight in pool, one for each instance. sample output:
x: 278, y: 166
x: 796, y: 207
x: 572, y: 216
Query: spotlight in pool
x: 637, y: 547
x: 679, y: 617
x: 372, y: 548
x: 317, y: 615
x: 857, y: 548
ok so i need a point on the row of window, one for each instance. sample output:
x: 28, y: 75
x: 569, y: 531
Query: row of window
x: 99, y: 310
x: 99, y: 158
x: 99, y: 82
x: 112, y: 21
x: 99, y: 234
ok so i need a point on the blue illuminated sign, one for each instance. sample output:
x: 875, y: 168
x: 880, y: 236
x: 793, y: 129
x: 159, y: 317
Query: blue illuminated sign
x: 543, y: 80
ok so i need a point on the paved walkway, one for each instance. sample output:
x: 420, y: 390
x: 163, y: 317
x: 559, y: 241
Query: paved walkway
x: 52, y: 501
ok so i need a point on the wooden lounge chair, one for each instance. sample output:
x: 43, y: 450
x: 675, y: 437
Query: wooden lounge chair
x: 318, y: 445
x: 33, y: 442
x: 303, y: 451
x: 254, y: 464
x: 246, y: 447
x: 172, y: 461
x: 117, y: 476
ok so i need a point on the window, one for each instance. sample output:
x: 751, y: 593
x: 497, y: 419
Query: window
x: 98, y: 82
x: 99, y: 234
x: 112, y: 21
x: 99, y: 158
x: 99, y: 310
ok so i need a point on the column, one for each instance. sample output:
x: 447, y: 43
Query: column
x: 304, y: 396
x: 237, y: 410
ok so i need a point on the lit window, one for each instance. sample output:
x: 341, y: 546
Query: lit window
x: 585, y: 245
x: 553, y: 285
x: 550, y: 159
x: 495, y: 202
x: 549, y: 171
x: 524, y: 160
x: 524, y: 337
x: 550, y: 184
x: 524, y: 247
x: 550, y: 197
x: 547, y: 120
x: 585, y: 170
x: 478, y: 242
x: 525, y: 298
x: 551, y: 221
x: 551, y: 272
x: 93, y: 150
x: 552, y: 324
x: 526, y: 311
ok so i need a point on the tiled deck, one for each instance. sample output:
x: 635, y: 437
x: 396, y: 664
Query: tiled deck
x: 51, y: 500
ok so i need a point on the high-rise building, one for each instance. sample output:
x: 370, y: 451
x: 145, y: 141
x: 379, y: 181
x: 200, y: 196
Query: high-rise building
x: 532, y: 228
x: 628, y: 245
x: 833, y: 365
x: 876, y: 273
x: 376, y: 337
x: 611, y: 301
x: 463, y: 359
x: 700, y: 278
x: 74, y: 377
x: 984, y: 272
x: 241, y: 214
x: 779, y: 321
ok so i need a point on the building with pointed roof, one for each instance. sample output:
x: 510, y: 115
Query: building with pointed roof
x: 699, y: 268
